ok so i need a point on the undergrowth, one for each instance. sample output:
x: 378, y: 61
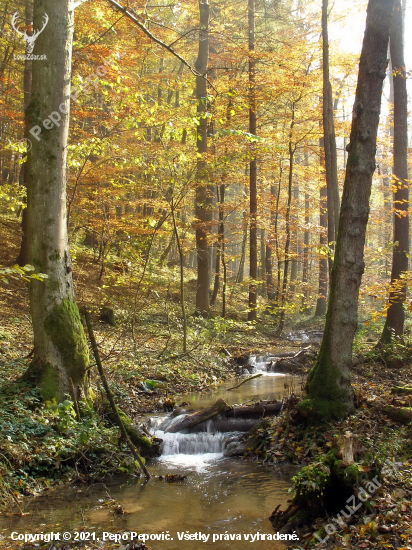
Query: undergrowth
x: 42, y: 443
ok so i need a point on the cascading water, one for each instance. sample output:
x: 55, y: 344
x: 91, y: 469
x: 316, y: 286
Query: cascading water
x: 193, y: 444
x: 189, y: 448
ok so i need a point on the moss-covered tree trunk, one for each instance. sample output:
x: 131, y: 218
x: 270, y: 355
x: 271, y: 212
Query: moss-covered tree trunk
x: 329, y: 390
x: 60, y: 347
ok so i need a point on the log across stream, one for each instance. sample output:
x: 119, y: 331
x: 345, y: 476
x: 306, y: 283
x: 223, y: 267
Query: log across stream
x: 219, y: 495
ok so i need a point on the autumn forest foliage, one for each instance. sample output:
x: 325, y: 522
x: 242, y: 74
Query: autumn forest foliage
x: 132, y: 154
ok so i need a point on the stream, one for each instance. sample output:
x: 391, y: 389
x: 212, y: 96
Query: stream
x: 220, y: 495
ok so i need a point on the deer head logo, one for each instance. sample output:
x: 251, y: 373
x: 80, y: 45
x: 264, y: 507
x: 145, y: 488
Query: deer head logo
x: 30, y: 40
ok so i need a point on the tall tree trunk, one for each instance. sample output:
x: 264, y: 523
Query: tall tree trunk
x: 323, y: 241
x: 270, y: 288
x: 329, y: 141
x: 263, y: 260
x: 253, y: 166
x: 306, y: 242
x: 329, y: 390
x: 283, y: 298
x: 241, y: 270
x: 220, y: 241
x: 203, y: 199
x: 395, y: 317
x: 295, y: 220
x: 60, y: 347
x: 182, y: 277
x: 22, y: 258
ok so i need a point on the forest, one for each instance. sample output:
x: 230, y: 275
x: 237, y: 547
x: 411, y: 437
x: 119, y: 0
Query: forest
x: 205, y: 322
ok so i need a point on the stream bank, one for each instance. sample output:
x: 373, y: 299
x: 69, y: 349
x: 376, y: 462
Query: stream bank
x: 218, y: 495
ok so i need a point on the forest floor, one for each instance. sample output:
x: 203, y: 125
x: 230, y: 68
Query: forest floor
x: 383, y: 448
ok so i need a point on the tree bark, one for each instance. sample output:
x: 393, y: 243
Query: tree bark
x: 306, y: 242
x: 22, y: 258
x: 329, y: 390
x: 395, y: 317
x: 203, y: 191
x: 270, y: 285
x: 323, y: 242
x: 329, y: 141
x: 60, y: 347
x: 252, y: 167
x: 283, y: 298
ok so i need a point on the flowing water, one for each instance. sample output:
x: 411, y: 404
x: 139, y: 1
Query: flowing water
x: 219, y: 495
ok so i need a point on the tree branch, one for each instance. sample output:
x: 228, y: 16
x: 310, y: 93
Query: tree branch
x: 146, y: 31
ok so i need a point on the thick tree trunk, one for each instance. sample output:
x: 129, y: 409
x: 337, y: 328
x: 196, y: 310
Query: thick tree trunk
x: 203, y: 191
x: 60, y: 347
x: 253, y: 166
x: 329, y: 391
x: 395, y: 318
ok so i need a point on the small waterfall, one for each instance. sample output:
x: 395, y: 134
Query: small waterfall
x: 192, y: 444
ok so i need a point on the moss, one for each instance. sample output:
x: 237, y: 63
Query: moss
x: 147, y: 446
x: 330, y: 396
x: 65, y: 329
x: 351, y: 475
x: 49, y: 383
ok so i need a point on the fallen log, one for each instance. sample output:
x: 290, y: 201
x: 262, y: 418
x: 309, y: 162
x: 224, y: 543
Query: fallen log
x: 402, y: 390
x: 224, y: 416
x: 224, y: 425
x: 258, y: 410
x: 196, y: 418
x: 399, y: 414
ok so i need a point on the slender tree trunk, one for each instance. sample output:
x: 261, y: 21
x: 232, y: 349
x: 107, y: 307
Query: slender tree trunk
x: 275, y: 227
x: 395, y: 317
x: 323, y: 243
x: 287, y: 223
x: 253, y: 166
x: 306, y: 242
x: 182, y: 277
x: 270, y: 288
x: 241, y: 270
x: 203, y: 198
x: 22, y: 258
x: 329, y: 141
x: 60, y: 347
x: 329, y: 390
x: 220, y: 239
x: 263, y: 260
x: 294, y: 244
